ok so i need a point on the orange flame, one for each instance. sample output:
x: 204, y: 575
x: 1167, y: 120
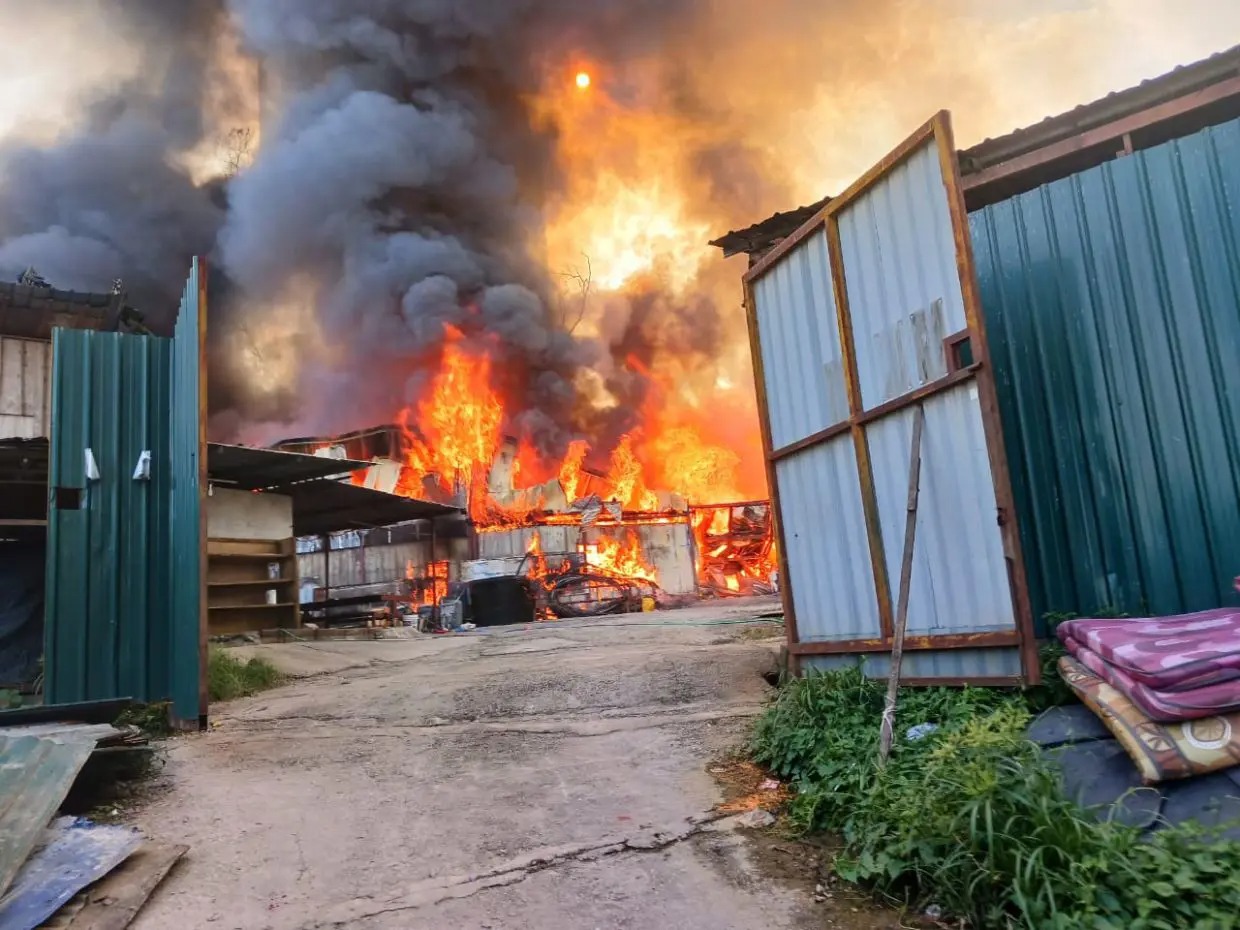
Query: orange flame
x: 570, y: 469
x: 621, y: 557
x: 625, y: 479
x: 458, y: 423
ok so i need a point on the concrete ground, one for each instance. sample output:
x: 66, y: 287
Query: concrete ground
x: 550, y: 776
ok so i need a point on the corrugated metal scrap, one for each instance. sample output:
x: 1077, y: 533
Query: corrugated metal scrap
x: 36, y: 774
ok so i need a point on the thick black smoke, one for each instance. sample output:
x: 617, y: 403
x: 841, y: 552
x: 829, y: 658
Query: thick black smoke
x: 399, y: 186
x: 107, y: 201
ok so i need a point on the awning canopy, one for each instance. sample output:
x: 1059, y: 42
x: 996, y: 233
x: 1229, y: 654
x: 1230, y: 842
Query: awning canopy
x: 245, y: 468
x: 331, y: 506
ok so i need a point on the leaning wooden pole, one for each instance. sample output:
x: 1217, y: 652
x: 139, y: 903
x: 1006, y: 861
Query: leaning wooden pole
x: 906, y: 579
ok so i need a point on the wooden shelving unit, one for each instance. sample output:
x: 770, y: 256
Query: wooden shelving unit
x: 239, y: 575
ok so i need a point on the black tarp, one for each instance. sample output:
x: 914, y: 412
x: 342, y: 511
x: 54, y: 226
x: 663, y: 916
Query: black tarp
x: 21, y: 612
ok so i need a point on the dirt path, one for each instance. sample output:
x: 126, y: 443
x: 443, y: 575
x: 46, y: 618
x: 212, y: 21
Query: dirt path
x: 546, y: 778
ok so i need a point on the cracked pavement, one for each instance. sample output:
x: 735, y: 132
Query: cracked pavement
x: 550, y: 776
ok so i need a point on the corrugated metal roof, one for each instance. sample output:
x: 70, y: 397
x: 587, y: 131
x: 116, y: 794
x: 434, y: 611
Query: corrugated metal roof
x: 32, y: 312
x: 1149, y: 93
x: 1111, y: 299
x: 249, y: 469
x: 35, y: 776
x: 760, y: 235
x: 1179, y: 82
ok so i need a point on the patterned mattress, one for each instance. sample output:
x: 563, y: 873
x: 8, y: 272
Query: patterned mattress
x: 1164, y: 705
x: 1161, y: 751
x: 1168, y: 654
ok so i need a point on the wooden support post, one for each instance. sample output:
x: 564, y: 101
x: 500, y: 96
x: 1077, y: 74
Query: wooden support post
x: 906, y: 579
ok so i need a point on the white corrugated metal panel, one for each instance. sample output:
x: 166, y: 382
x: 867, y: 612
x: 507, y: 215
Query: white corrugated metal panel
x: 516, y: 542
x: 903, y: 283
x: 800, y: 343
x: 25, y: 388
x: 365, y: 564
x: 827, y: 547
x: 951, y: 665
x: 668, y: 548
x: 959, y: 580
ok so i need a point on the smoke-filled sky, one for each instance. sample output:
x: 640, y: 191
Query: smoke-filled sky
x: 432, y: 162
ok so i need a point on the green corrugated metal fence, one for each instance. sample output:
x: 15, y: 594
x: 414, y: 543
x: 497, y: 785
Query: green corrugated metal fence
x: 124, y: 595
x: 1112, y: 301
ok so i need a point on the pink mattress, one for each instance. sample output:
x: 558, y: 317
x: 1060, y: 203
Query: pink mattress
x: 1179, y: 653
x: 1159, y: 704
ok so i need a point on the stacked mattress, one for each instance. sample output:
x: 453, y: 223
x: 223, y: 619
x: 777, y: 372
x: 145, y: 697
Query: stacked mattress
x: 1168, y: 687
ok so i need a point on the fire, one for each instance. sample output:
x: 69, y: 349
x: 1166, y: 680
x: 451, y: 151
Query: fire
x: 620, y: 557
x: 583, y: 80
x: 456, y: 429
x: 570, y: 469
x: 625, y: 479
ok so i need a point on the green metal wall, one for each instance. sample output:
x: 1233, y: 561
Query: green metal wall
x: 1112, y: 303
x: 123, y: 593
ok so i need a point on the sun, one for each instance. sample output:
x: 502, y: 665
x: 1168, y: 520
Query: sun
x: 583, y: 79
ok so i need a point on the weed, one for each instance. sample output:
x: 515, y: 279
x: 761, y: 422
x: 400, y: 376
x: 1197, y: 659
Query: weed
x: 228, y: 677
x: 972, y: 816
x: 151, y: 719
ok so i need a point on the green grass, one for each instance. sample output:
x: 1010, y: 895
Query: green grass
x: 228, y: 677
x: 973, y: 819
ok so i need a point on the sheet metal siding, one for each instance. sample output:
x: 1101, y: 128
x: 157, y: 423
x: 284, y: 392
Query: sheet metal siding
x: 824, y: 529
x: 902, y: 280
x: 188, y: 539
x: 123, y: 586
x: 959, y: 580
x: 25, y: 387
x: 1111, y: 299
x: 948, y: 665
x: 800, y: 344
x: 366, y: 564
x: 106, y: 630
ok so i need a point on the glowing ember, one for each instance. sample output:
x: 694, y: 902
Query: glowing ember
x: 583, y: 80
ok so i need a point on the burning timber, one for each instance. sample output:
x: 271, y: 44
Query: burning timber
x: 579, y: 519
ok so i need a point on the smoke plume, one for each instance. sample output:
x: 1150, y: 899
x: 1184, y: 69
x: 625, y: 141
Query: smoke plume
x: 364, y: 173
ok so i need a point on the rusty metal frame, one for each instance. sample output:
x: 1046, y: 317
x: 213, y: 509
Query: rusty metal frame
x: 826, y: 221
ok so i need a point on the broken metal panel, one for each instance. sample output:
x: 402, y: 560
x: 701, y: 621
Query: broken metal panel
x: 35, y: 776
x: 825, y: 536
x: 76, y: 853
x: 909, y: 323
x: 959, y: 577
x: 904, y: 293
x: 801, y: 362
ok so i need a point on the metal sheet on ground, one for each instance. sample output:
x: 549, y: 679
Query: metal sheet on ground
x: 35, y: 776
x: 114, y: 902
x: 77, y: 854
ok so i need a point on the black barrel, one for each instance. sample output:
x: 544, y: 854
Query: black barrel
x: 500, y: 601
